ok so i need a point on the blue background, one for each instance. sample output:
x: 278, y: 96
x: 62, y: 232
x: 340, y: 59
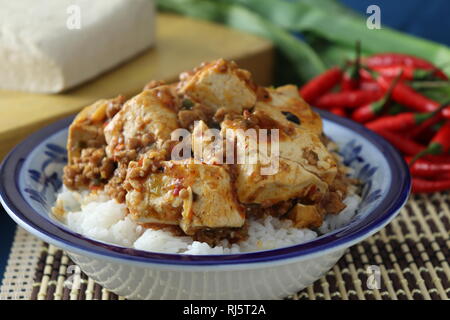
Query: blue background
x: 427, y: 19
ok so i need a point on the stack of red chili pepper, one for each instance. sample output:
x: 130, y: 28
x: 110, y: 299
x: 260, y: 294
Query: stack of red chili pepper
x: 377, y: 91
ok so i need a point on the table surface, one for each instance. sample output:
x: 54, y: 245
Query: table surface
x: 428, y: 21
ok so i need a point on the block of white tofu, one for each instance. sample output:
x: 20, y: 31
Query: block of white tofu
x: 220, y: 84
x: 287, y: 107
x: 148, y: 118
x: 51, y: 45
x: 208, y: 197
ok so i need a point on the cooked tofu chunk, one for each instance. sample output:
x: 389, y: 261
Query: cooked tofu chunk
x: 306, y: 216
x: 193, y: 195
x: 290, y: 181
x: 285, y: 105
x: 296, y: 143
x: 208, y: 198
x: 220, y: 84
x: 154, y: 200
x: 306, y: 148
x: 206, y: 146
x: 86, y: 129
x: 299, y: 173
x: 88, y: 165
x: 145, y: 120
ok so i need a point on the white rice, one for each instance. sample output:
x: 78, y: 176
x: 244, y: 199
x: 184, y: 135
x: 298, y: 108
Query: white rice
x: 101, y: 218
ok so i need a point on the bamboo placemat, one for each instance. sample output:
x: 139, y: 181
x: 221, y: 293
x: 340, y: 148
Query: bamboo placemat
x: 411, y: 254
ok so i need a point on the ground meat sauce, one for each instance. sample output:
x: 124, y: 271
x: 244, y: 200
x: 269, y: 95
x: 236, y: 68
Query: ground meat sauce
x: 197, y: 112
x: 333, y: 202
x: 115, y: 187
x: 310, y: 156
x: 89, y: 167
x: 92, y: 169
x: 214, y: 236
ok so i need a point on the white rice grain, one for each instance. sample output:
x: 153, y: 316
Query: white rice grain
x: 101, y: 218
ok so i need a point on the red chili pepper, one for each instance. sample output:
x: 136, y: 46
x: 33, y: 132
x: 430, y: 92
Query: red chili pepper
x: 443, y: 158
x: 418, y: 131
x: 428, y: 186
x: 409, y: 73
x: 398, y: 122
x: 370, y: 111
x: 424, y: 168
x: 446, y: 113
x: 402, y: 143
x: 321, y: 84
x: 444, y: 176
x: 402, y: 121
x: 369, y: 85
x: 388, y: 59
x: 428, y: 134
x: 440, y: 144
x: 349, y: 99
x: 398, y: 59
x: 367, y: 75
x: 339, y: 112
x: 349, y: 82
x: 408, y: 97
x: 367, y: 112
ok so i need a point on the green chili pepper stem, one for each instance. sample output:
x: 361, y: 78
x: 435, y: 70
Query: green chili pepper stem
x: 437, y: 126
x: 433, y: 149
x: 379, y: 106
x: 422, y: 117
x: 429, y: 84
x: 420, y: 74
x: 396, y: 109
x: 355, y: 70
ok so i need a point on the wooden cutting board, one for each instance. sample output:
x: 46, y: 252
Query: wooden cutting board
x: 181, y: 44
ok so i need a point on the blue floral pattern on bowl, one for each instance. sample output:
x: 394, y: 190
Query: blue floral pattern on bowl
x: 47, y: 176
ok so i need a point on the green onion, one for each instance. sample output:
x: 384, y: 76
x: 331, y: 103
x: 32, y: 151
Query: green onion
x: 344, y: 29
x: 303, y: 58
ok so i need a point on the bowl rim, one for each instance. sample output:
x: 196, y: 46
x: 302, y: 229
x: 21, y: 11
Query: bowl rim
x: 27, y: 217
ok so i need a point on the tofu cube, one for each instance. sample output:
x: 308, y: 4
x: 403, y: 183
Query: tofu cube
x: 306, y: 216
x: 208, y: 198
x: 150, y: 117
x: 193, y: 195
x: 220, y: 84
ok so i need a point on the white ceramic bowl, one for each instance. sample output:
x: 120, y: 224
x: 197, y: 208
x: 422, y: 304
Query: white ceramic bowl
x: 30, y: 177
